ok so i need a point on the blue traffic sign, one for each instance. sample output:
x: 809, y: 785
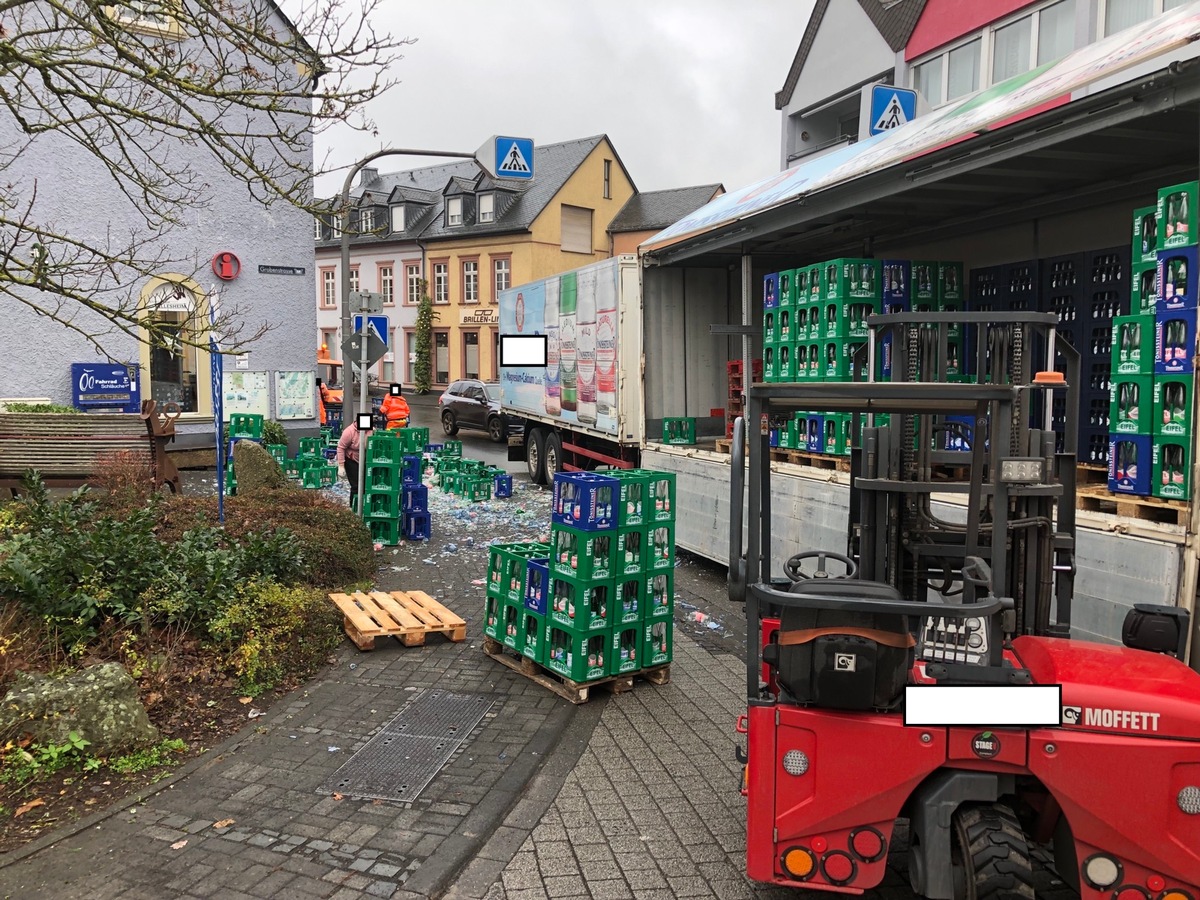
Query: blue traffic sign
x: 377, y: 324
x: 891, y: 107
x: 514, y: 158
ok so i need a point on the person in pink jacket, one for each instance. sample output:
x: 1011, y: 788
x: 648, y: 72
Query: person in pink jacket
x: 349, y: 452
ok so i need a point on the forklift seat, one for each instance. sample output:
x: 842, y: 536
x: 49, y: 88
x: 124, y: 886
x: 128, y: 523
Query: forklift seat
x: 839, y: 659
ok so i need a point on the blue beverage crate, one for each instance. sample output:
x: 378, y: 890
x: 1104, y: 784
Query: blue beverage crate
x: 504, y: 486
x: 411, y: 470
x: 585, y: 500
x: 537, y: 585
x: 417, y: 526
x: 416, y: 498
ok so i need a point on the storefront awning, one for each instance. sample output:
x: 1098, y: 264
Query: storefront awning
x: 956, y: 124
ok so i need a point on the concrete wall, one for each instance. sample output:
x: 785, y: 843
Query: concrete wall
x: 75, y: 194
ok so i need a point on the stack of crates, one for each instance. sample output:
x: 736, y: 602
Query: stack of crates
x: 511, y: 616
x: 395, y: 502
x: 609, y: 596
x: 735, y: 406
x: 1150, y: 413
x: 312, y: 468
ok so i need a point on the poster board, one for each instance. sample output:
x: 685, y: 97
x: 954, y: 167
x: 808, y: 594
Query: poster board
x: 247, y: 392
x: 294, y: 395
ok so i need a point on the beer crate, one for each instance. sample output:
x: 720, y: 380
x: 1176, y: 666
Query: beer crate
x: 659, y: 595
x: 625, y: 655
x: 630, y: 599
x: 1177, y: 273
x: 585, y: 500
x: 586, y: 555
x: 1145, y: 235
x: 537, y: 585
x: 1173, y: 405
x: 1176, y: 215
x: 1175, y: 342
x: 633, y: 495
x: 578, y: 657
x: 1130, y: 464
x: 1172, y: 467
x: 583, y: 606
x: 1131, y: 404
x: 658, y: 642
x: 661, y: 506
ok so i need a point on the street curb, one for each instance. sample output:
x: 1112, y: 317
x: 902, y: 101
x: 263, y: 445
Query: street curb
x: 229, y: 745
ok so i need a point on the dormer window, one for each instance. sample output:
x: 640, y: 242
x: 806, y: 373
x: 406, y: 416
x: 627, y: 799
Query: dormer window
x: 397, y: 219
x: 366, y: 220
x: 487, y: 207
x: 454, y: 211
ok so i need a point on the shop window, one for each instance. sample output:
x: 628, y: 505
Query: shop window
x: 441, y: 357
x: 471, y: 354
x: 178, y: 369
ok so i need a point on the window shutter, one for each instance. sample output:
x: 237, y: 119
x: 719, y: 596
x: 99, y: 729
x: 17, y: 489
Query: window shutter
x: 576, y: 229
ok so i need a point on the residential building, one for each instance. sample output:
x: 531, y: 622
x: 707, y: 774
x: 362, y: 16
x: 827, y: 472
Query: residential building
x: 649, y: 213
x: 473, y: 236
x: 945, y: 49
x: 265, y: 250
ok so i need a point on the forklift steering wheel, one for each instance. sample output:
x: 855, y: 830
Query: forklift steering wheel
x: 794, y: 570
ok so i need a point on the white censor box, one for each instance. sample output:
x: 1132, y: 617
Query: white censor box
x: 999, y: 705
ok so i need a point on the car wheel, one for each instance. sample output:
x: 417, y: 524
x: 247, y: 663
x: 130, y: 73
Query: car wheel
x: 535, y: 447
x: 553, y: 456
x: 496, y: 430
x: 449, y: 425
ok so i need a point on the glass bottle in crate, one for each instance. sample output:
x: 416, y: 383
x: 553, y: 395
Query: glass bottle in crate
x: 598, y: 601
x: 595, y: 648
x: 629, y: 645
x: 629, y: 597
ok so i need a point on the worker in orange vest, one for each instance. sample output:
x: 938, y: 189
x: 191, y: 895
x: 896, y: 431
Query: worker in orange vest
x: 395, y: 409
x: 321, y: 400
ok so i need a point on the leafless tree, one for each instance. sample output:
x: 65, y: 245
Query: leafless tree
x: 139, y: 89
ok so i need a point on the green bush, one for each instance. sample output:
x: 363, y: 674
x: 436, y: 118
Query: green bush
x: 37, y: 408
x: 268, y: 633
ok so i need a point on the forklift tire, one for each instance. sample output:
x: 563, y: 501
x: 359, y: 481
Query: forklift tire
x: 991, y: 855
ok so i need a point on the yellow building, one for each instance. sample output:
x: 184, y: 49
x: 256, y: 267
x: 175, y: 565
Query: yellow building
x: 469, y: 237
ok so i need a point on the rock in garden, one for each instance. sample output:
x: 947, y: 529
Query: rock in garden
x: 100, y: 703
x: 256, y: 469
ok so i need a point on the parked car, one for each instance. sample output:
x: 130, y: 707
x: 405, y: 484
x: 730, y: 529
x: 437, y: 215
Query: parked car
x: 474, y: 404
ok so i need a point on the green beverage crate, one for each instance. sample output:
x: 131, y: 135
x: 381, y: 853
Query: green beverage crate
x: 1172, y: 462
x: 328, y: 476
x: 1133, y: 345
x: 310, y: 448
x: 950, y: 284
x: 507, y: 567
x: 382, y: 505
x: 786, y: 290
x: 471, y: 466
x: 477, y: 489
x: 679, y: 430
x: 1144, y: 286
x: 1176, y: 215
x: 385, y: 477
x: 770, y: 361
x: 384, y: 447
x: 659, y: 594
x: 311, y: 477
x: 661, y: 537
x: 278, y: 452
x: 843, y: 319
x: 658, y: 642
x: 493, y: 618
x: 785, y: 328
x: 385, y: 531
x: 1131, y: 404
x: 837, y: 434
x: 630, y: 594
x: 586, y: 555
x: 786, y: 368
x: 625, y: 655
x: 413, y: 440
x: 246, y: 426
x: 532, y: 636
x: 452, y: 482
x: 445, y: 464
x: 662, y: 493
x: 451, y: 448
x: 1173, y: 404
x: 853, y: 279
x: 632, y: 494
x: 771, y: 325
x: 511, y: 623
x: 633, y: 550
x: 582, y: 606
x: 1145, y: 235
x: 577, y: 657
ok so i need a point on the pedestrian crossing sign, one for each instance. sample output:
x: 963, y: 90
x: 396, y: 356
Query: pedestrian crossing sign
x: 891, y: 107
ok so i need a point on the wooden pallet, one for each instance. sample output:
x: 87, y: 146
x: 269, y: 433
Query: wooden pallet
x: 1148, y: 509
x: 405, y: 615
x: 565, y: 687
x: 1087, y: 474
x: 812, y: 460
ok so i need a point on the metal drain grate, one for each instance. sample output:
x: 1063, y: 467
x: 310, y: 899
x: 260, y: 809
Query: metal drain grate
x: 400, y: 761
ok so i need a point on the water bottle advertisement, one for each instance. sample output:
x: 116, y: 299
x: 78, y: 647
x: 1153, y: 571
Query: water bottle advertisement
x: 577, y: 311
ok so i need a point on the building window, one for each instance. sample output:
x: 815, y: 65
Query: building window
x: 470, y: 281
x: 963, y: 70
x: 441, y: 282
x: 366, y: 220
x: 441, y: 357
x: 470, y: 354
x: 1012, y: 49
x: 335, y: 225
x: 927, y: 79
x: 318, y: 228
x: 328, y: 348
x: 410, y: 356
x: 608, y: 179
x: 353, y: 279
x: 576, y: 229
x: 454, y: 215
x: 1122, y: 14
x: 387, y: 372
x: 387, y: 285
x: 397, y: 219
x: 329, y: 289
x: 172, y: 359
x: 501, y: 277
x: 413, y: 280
x: 150, y: 16
x: 487, y: 207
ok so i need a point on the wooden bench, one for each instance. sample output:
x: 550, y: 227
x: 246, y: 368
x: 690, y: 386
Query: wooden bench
x: 68, y: 449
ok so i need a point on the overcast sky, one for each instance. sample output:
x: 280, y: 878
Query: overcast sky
x: 685, y: 89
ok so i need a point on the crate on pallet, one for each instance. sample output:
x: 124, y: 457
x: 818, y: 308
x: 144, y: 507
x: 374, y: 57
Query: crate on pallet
x: 625, y: 655
x: 579, y: 657
x: 583, y: 606
x: 586, y: 555
x: 533, y: 636
x: 507, y: 565
x: 680, y: 430
x: 417, y: 526
x: 659, y: 594
x: 658, y: 643
x: 537, y: 584
x: 511, y: 622
x: 632, y: 551
x: 630, y: 599
x: 493, y: 615
x: 661, y: 538
x: 585, y: 500
x: 384, y: 531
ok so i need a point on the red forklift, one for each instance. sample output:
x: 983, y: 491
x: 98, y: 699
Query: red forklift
x: 842, y: 788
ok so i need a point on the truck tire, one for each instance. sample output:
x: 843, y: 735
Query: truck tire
x: 992, y: 854
x: 552, y: 456
x: 535, y: 449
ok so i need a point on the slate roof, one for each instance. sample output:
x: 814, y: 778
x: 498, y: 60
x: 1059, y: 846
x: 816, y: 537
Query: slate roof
x: 659, y: 209
x: 894, y: 21
x: 553, y: 165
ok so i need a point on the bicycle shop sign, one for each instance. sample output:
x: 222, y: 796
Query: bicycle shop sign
x: 103, y: 386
